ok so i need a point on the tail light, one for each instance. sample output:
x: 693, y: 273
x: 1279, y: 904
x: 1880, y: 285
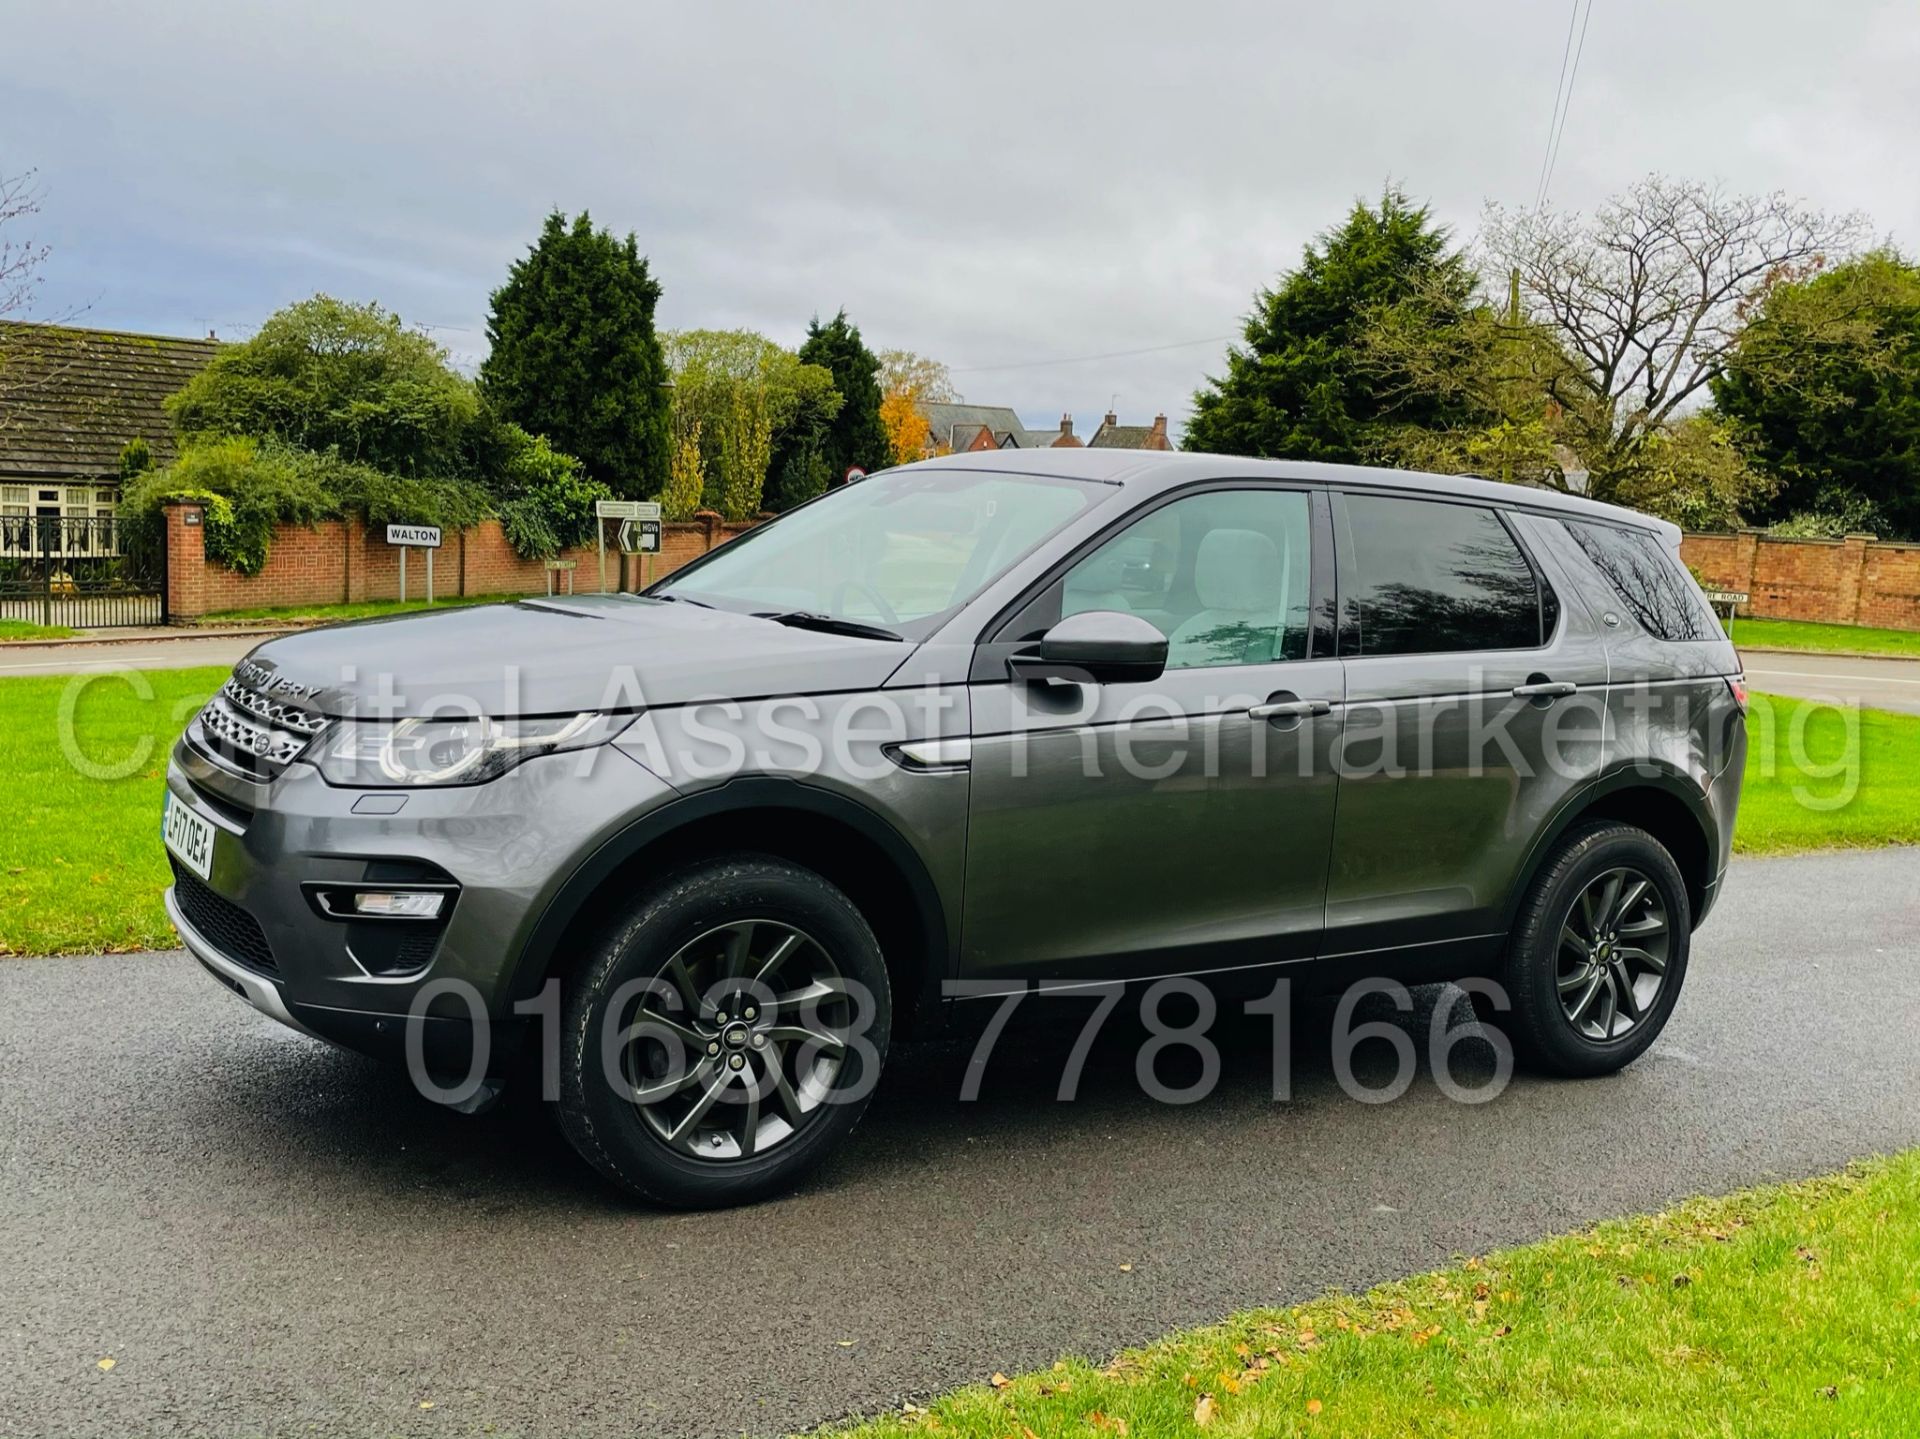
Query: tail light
x: 1738, y: 684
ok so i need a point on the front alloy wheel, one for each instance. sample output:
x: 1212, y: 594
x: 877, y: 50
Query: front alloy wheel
x: 734, y: 1048
x: 725, y: 1034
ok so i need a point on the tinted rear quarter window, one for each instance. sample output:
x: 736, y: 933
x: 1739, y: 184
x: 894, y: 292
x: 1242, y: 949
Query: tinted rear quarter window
x: 1647, y: 579
x: 1433, y: 578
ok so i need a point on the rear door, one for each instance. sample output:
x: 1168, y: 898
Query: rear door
x: 1475, y: 712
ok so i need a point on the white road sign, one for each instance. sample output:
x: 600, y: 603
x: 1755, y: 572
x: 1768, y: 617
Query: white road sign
x: 616, y: 509
x: 422, y: 536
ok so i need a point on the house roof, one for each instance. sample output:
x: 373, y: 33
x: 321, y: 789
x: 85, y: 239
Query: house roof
x: 71, y: 398
x: 966, y: 421
x: 1122, y: 437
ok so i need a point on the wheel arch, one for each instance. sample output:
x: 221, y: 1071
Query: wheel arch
x: 1653, y: 797
x: 838, y: 838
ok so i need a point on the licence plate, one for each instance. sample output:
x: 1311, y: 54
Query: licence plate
x: 188, y: 835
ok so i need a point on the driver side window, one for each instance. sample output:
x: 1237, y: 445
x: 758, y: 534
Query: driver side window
x: 1224, y: 575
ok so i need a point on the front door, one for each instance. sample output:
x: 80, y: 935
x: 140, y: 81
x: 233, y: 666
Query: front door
x: 1180, y: 825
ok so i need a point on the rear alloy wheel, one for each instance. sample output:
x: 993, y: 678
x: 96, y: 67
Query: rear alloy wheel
x: 726, y: 1034
x: 1598, y: 953
x: 1613, y: 954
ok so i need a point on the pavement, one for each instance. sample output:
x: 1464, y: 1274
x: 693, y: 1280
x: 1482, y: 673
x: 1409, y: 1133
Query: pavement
x: 1886, y: 684
x: 268, y: 1236
x: 178, y: 651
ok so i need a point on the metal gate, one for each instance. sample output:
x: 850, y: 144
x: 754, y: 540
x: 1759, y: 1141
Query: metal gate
x: 82, y: 572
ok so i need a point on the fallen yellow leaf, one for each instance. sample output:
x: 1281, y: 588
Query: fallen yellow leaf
x: 1203, y: 1411
x: 999, y: 1380
x: 105, y: 1364
x: 1313, y: 1406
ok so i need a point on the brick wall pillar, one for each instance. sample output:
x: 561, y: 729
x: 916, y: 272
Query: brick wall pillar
x: 1853, y: 562
x: 353, y: 540
x: 709, y: 521
x: 186, y: 561
x: 1746, y: 559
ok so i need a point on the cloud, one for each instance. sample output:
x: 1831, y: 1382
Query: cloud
x: 994, y: 185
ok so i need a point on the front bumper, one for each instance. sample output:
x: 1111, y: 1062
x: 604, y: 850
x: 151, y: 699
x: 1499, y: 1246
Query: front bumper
x: 509, y: 845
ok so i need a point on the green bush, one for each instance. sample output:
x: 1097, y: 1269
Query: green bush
x: 546, y: 500
x: 249, y: 486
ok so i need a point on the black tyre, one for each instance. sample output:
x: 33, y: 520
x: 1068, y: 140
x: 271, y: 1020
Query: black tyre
x: 725, y: 1035
x: 1598, y: 953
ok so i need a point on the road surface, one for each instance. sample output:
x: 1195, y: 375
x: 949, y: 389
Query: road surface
x: 267, y: 1235
x: 1874, y: 683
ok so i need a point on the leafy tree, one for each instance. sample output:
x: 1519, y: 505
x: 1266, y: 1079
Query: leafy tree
x: 857, y: 435
x: 929, y: 381
x: 136, y: 458
x: 747, y: 401
x: 798, y: 468
x: 908, y: 381
x: 1588, y: 373
x: 686, y: 477
x: 1643, y: 302
x: 1295, y: 389
x: 325, y: 374
x: 1822, y: 391
x: 908, y: 432
x: 574, y: 356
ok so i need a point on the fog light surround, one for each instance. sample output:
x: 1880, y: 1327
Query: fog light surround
x: 380, y: 903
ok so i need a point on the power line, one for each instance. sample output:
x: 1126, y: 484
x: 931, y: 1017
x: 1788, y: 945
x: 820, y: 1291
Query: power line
x: 1573, y: 73
x: 1553, y: 117
x: 1085, y: 359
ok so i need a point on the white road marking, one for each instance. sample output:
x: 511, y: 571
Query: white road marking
x: 1830, y: 675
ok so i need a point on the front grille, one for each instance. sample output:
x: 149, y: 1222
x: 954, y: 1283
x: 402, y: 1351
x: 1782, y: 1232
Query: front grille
x: 248, y: 730
x: 221, y: 922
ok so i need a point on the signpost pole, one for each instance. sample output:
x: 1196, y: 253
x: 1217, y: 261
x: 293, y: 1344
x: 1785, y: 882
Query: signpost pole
x: 403, y: 574
x: 600, y: 533
x: 429, y: 576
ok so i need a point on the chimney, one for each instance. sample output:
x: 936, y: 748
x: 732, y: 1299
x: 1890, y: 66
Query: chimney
x: 1066, y: 427
x: 1111, y: 420
x: 1157, y: 437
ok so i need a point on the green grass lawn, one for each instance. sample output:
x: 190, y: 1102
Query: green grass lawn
x: 1819, y: 777
x: 80, y: 860
x: 366, y: 609
x: 82, y: 868
x: 1781, y: 1311
x: 22, y: 630
x: 1801, y: 635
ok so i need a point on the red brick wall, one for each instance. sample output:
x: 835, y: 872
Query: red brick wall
x: 341, y: 561
x: 1854, y: 581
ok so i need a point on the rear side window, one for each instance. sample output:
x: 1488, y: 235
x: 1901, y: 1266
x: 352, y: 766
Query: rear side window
x: 1430, y: 578
x: 1649, y: 582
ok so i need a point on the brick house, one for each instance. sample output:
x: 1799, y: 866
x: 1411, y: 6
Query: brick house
x: 961, y: 429
x: 70, y: 400
x: 1112, y: 435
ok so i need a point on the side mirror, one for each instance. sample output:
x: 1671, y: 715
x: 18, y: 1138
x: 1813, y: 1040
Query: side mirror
x: 1097, y: 647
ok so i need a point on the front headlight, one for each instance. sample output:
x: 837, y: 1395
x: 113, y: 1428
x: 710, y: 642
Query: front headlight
x: 412, y: 752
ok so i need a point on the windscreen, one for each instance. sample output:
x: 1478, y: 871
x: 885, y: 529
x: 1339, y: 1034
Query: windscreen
x: 899, y: 550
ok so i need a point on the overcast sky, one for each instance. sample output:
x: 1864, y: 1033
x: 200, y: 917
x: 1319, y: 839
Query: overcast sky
x: 997, y: 186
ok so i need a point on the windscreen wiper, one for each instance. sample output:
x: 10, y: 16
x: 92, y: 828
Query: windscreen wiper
x: 828, y: 624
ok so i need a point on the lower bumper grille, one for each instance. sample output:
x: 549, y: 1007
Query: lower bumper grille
x: 222, y: 923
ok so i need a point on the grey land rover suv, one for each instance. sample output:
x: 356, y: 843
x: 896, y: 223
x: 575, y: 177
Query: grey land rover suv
x: 1066, y: 718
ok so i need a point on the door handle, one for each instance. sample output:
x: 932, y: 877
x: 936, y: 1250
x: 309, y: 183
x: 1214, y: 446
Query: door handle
x: 1546, y: 689
x: 1291, y: 709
